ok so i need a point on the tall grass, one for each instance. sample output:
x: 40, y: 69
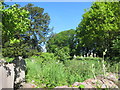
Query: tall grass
x: 53, y: 73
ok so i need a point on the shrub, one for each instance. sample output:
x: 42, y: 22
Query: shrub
x: 116, y: 49
x: 18, y: 49
x: 62, y: 54
x: 87, y: 58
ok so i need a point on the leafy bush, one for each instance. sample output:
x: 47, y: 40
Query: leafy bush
x: 87, y: 58
x: 62, y: 54
x: 18, y: 49
x: 48, y: 56
x: 116, y: 49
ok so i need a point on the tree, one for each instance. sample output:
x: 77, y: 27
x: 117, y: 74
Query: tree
x: 1, y: 28
x: 39, y: 26
x: 15, y: 22
x: 63, y: 40
x: 116, y: 49
x: 99, y: 26
x: 23, y: 36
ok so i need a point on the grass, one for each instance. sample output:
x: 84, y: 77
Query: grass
x: 47, y: 71
x: 7, y: 59
x: 53, y: 73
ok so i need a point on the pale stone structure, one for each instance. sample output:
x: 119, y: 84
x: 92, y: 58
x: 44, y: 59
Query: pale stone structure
x: 6, y: 76
x: 12, y: 74
x: 20, y: 68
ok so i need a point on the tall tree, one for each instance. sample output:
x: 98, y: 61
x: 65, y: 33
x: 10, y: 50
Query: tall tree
x: 39, y: 26
x: 15, y: 22
x: 99, y: 26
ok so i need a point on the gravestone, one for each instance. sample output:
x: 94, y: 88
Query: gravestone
x: 6, y: 75
x: 20, y: 68
x: 12, y: 74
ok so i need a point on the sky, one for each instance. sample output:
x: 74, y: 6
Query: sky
x: 64, y: 15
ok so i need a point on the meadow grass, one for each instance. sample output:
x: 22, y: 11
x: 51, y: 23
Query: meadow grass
x: 47, y: 71
x: 52, y: 73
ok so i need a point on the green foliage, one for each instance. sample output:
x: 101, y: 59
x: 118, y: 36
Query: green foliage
x: 81, y: 86
x: 22, y: 33
x: 47, y: 56
x: 62, y: 54
x: 39, y: 26
x: 18, y: 49
x: 24, y: 29
x: 116, y: 49
x: 80, y: 70
x: 7, y: 59
x: 113, y: 66
x: 15, y: 22
x: 63, y: 40
x: 87, y: 58
x: 99, y: 26
x: 116, y: 44
x: 52, y: 73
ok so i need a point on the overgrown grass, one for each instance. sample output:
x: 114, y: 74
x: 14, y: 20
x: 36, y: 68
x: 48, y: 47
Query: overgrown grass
x: 45, y: 74
x: 50, y: 72
x: 7, y: 59
x: 47, y: 71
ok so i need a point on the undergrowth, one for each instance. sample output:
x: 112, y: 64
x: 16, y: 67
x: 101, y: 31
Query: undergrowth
x: 51, y: 72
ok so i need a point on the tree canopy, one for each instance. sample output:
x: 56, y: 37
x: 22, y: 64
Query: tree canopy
x: 39, y: 26
x: 24, y: 29
x: 64, y: 39
x: 99, y: 26
x: 15, y: 22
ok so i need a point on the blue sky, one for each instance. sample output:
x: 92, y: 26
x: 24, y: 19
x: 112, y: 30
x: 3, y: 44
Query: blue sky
x: 64, y: 15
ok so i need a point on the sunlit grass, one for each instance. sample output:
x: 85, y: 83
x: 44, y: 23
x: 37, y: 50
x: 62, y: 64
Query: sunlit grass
x: 54, y: 73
